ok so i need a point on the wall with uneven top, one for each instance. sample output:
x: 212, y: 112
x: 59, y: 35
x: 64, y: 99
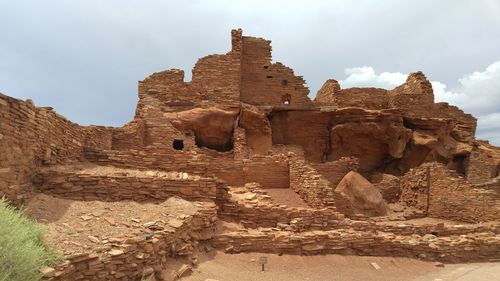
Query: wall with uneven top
x: 267, y: 171
x: 135, y: 257
x: 473, y: 247
x: 311, y: 186
x: 252, y: 207
x: 414, y: 187
x: 480, y: 166
x: 415, y: 94
x: 438, y: 192
x: 32, y: 136
x: 266, y: 83
x: 453, y: 198
x: 113, y: 184
x: 215, y: 82
x: 129, y: 136
x: 369, y: 98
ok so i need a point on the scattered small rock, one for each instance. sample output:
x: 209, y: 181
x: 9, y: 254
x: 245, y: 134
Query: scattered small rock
x: 375, y: 265
x: 439, y: 264
x: 149, y: 224
x: 86, y: 217
x: 148, y: 270
x: 110, y: 221
x: 93, y: 239
x: 116, y: 252
x: 185, y: 269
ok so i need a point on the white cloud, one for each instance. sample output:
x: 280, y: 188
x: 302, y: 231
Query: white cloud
x: 477, y: 93
x: 365, y: 76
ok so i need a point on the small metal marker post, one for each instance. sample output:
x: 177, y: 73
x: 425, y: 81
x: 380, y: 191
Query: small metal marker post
x: 263, y: 261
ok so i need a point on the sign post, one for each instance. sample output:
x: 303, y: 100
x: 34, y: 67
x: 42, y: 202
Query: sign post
x: 263, y: 261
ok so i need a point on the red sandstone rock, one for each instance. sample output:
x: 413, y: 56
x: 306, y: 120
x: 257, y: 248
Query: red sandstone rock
x: 364, y: 198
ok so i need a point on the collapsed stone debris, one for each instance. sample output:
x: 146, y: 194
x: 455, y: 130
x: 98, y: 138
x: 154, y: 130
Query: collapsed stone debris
x: 240, y: 159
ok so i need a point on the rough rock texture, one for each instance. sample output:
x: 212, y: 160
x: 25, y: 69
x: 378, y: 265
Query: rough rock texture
x: 364, y: 198
x: 238, y: 136
x: 212, y: 127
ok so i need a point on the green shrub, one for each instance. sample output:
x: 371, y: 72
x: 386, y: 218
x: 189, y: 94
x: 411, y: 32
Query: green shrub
x: 22, y: 248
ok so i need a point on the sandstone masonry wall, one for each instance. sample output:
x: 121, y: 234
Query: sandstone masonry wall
x: 473, y: 247
x: 267, y: 171
x: 87, y: 183
x: 266, y: 83
x: 450, y: 198
x: 33, y: 136
x: 133, y: 257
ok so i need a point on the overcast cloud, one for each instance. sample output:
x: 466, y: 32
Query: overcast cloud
x: 84, y: 57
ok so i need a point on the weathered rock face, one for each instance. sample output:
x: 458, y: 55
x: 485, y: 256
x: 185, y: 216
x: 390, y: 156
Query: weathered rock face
x: 364, y: 198
x: 212, y: 127
x: 257, y: 127
x: 370, y: 142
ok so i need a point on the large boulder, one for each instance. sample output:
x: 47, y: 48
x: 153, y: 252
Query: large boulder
x: 364, y: 197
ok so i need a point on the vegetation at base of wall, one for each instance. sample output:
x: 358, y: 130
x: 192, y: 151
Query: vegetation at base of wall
x: 23, y: 250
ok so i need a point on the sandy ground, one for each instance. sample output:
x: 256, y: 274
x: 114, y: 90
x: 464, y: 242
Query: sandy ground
x: 286, y: 196
x: 246, y: 267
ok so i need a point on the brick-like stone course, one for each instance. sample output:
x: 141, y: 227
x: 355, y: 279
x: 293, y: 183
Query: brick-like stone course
x: 83, y: 183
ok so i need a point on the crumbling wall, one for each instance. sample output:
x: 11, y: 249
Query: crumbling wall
x: 453, y: 198
x: 415, y: 95
x: 32, y: 136
x: 327, y: 94
x: 265, y: 170
x: 129, y: 136
x: 480, y: 166
x: 266, y: 83
x: 315, y: 183
x: 368, y: 98
x: 113, y: 184
x: 415, y: 188
x: 215, y: 82
x: 136, y: 257
x: 217, y: 77
x: 472, y: 247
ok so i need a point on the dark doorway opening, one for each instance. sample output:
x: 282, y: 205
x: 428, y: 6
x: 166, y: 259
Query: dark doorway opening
x: 221, y: 147
x: 178, y: 144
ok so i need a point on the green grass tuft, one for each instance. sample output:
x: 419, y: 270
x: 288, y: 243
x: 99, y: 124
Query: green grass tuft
x: 23, y: 250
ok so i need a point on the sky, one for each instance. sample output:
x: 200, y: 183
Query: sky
x: 84, y: 57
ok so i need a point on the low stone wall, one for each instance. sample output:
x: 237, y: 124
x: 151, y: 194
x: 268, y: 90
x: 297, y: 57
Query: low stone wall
x: 315, y: 183
x: 312, y: 187
x: 112, y: 184
x: 267, y: 171
x: 453, y: 198
x: 253, y: 208
x: 134, y: 257
x: 435, y: 191
x: 473, y: 247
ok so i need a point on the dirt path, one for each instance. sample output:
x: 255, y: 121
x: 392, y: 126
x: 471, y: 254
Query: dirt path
x: 245, y: 267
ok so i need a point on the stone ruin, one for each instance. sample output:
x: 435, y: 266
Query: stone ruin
x: 254, y: 165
